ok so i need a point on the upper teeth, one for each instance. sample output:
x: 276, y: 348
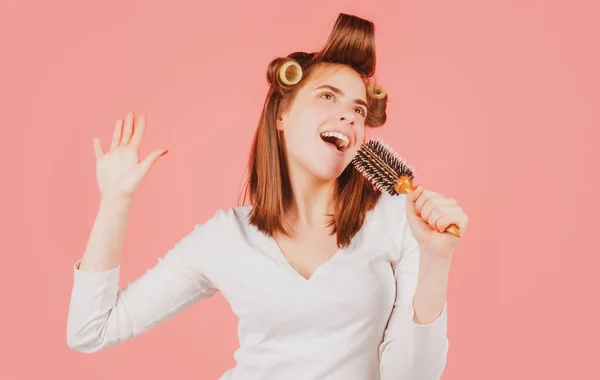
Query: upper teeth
x: 339, y: 135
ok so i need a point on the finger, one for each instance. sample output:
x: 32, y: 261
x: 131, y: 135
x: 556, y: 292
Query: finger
x: 438, y: 213
x: 412, y: 197
x: 138, y: 131
x: 128, y: 128
x: 420, y: 201
x: 149, y: 161
x: 458, y: 218
x: 434, y: 201
x: 98, y: 148
x: 426, y: 202
x: 116, y: 139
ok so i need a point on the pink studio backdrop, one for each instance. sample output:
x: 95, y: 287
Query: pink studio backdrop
x: 495, y: 103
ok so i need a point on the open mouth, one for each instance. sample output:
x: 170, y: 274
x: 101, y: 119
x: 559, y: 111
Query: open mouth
x: 337, y: 139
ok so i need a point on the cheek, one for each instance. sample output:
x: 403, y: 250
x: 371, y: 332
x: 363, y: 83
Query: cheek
x: 314, y: 114
x: 360, y: 134
x: 307, y: 122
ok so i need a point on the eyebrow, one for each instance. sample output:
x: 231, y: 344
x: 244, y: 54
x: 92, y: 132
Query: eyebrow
x: 341, y: 93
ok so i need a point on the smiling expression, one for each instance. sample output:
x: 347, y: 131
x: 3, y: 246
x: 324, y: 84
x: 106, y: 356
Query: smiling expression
x: 324, y: 125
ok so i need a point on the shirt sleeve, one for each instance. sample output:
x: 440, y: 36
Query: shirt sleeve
x: 411, y: 351
x: 102, y: 315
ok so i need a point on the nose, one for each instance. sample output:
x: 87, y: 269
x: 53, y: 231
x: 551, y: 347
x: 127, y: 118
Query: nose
x: 348, y: 117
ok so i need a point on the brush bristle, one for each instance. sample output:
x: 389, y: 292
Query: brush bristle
x: 381, y: 165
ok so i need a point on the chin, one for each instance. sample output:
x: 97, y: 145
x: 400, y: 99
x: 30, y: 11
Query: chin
x: 329, y: 172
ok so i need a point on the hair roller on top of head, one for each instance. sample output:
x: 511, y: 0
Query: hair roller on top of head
x: 351, y: 42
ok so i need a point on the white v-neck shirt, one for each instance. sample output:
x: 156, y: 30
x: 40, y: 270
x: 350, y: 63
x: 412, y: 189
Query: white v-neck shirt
x: 353, y: 319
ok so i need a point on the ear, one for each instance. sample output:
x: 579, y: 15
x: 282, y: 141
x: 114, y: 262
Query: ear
x: 281, y: 114
x: 280, y: 123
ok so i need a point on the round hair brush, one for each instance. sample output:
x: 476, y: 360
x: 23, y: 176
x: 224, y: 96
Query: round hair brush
x: 387, y: 170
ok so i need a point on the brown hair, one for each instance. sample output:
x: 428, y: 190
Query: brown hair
x: 352, y: 43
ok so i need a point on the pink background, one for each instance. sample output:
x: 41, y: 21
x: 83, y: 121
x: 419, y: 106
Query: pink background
x: 494, y: 102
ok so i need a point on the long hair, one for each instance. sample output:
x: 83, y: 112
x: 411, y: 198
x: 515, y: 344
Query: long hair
x: 352, y: 43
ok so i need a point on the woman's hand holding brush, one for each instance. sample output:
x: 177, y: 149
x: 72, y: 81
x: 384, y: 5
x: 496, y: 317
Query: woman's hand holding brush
x: 436, y: 222
x: 429, y: 214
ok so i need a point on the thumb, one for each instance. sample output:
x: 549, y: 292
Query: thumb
x: 149, y: 161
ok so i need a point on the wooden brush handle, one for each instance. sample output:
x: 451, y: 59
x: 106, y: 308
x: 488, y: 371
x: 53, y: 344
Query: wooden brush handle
x: 404, y: 185
x: 453, y: 230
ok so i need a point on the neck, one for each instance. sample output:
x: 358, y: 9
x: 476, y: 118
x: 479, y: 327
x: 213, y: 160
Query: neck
x: 312, y: 200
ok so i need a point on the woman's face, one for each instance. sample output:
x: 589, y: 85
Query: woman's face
x: 324, y: 126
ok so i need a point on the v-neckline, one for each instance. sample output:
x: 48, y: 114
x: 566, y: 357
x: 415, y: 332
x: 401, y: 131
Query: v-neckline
x: 274, y: 247
x: 281, y: 256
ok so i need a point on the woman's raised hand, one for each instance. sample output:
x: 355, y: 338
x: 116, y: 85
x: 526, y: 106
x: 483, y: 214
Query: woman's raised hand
x: 119, y: 171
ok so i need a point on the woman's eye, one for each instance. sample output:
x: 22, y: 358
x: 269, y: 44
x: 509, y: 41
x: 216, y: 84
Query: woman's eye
x: 327, y: 94
x: 361, y: 111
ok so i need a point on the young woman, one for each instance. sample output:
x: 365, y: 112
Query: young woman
x: 329, y: 278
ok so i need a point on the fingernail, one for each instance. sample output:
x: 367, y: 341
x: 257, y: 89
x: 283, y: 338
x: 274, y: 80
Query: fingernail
x: 165, y: 152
